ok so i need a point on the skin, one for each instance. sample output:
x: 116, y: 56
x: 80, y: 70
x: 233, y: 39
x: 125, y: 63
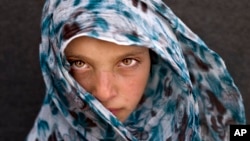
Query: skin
x: 115, y: 74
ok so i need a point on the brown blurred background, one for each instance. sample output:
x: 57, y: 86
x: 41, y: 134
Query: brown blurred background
x: 224, y: 26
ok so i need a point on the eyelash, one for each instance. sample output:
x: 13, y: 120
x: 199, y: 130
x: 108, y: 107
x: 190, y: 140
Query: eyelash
x: 83, y: 65
x: 74, y: 65
x: 131, y: 64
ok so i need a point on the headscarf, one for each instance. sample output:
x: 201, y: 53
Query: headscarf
x: 190, y: 95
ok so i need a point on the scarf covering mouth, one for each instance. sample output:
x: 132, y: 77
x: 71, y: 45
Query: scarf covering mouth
x: 190, y: 94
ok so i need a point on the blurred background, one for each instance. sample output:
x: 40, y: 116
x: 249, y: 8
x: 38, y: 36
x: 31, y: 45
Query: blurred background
x: 224, y: 25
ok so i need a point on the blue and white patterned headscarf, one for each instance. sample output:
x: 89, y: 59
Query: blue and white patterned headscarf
x: 190, y: 94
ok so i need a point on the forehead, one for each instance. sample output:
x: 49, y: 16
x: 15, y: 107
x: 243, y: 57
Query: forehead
x: 88, y: 45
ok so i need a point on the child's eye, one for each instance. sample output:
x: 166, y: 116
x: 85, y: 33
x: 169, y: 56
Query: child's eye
x: 128, y: 62
x: 78, y: 64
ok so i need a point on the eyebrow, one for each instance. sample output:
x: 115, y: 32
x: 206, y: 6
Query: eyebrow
x: 133, y: 53
x: 127, y: 54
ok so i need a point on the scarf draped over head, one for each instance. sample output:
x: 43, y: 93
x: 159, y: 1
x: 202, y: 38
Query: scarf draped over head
x: 189, y: 96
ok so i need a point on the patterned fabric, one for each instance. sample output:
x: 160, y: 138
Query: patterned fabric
x: 190, y: 94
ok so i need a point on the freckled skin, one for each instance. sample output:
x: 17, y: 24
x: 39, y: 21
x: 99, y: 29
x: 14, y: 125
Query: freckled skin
x: 115, y: 74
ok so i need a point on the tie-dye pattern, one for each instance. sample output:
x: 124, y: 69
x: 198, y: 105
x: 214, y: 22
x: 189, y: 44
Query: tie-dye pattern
x: 190, y: 94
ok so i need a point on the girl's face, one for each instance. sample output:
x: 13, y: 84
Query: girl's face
x: 115, y: 74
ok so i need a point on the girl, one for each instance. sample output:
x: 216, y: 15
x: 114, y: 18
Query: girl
x: 130, y: 70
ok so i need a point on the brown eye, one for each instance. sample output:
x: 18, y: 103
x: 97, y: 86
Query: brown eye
x: 79, y: 63
x: 127, y: 61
